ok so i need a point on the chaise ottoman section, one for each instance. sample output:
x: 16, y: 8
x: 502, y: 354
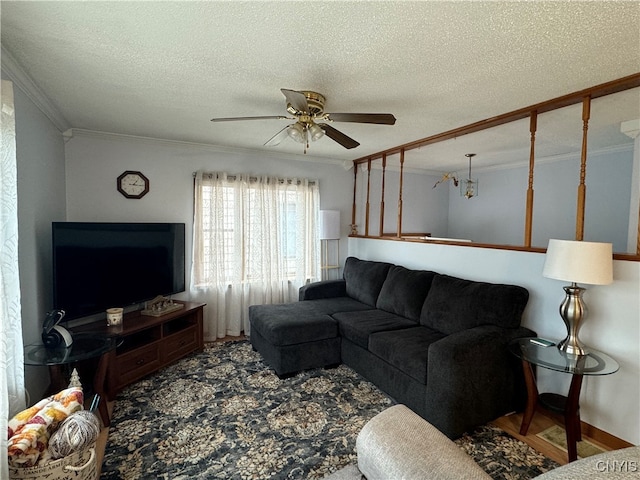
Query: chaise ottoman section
x: 292, y: 343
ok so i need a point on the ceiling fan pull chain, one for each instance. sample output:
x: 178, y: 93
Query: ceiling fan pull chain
x: 306, y: 134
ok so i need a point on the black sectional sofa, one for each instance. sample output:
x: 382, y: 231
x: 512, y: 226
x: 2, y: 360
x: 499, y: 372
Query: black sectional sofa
x: 433, y: 342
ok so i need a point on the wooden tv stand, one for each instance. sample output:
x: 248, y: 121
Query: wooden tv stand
x: 149, y: 343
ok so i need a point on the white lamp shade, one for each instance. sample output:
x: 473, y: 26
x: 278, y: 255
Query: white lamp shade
x: 329, y: 224
x: 579, y: 262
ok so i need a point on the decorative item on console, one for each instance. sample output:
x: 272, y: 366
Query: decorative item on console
x: 114, y: 316
x: 160, y: 306
x: 54, y: 335
x: 583, y: 262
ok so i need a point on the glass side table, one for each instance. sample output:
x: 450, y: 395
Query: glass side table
x: 84, y: 347
x: 531, y: 353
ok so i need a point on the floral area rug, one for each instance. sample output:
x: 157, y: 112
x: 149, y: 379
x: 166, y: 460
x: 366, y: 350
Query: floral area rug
x: 503, y: 456
x: 223, y: 413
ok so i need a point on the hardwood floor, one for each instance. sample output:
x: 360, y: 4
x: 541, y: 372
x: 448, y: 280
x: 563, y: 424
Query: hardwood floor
x: 540, y: 422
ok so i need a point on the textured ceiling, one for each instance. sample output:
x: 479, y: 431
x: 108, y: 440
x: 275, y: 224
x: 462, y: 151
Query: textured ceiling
x: 164, y: 69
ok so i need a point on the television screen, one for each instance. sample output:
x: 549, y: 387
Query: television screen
x: 101, y: 265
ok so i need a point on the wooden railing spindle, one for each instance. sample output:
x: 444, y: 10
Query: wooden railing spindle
x: 399, y: 232
x: 582, y: 188
x: 533, y: 126
x: 366, y: 220
x: 384, y: 169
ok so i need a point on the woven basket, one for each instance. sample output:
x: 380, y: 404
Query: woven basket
x: 77, y: 466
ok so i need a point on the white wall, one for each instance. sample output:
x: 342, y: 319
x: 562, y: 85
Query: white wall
x: 613, y: 325
x: 94, y: 161
x: 41, y: 200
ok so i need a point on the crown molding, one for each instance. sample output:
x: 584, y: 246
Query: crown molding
x: 23, y: 81
x: 559, y: 158
x: 82, y: 132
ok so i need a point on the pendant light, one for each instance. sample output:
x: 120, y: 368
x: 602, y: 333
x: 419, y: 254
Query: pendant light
x: 469, y: 187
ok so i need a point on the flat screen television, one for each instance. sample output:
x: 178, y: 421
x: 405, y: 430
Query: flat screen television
x: 102, y: 265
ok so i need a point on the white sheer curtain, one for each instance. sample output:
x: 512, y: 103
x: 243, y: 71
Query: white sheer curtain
x: 11, y: 356
x: 255, y: 242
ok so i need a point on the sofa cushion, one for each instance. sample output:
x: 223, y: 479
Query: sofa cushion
x: 406, y: 349
x: 404, y: 291
x: 298, y: 322
x: 364, y: 279
x: 357, y: 326
x: 295, y: 330
x: 454, y: 304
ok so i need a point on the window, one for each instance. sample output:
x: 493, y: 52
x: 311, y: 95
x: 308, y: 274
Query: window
x: 255, y: 238
x: 243, y: 219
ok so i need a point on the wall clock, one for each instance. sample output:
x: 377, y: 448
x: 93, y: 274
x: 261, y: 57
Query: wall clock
x: 133, y: 184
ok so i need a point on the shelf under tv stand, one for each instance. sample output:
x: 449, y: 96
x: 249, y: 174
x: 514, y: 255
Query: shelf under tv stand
x: 149, y: 343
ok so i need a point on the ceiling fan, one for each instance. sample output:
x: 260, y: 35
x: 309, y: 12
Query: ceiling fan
x: 307, y: 109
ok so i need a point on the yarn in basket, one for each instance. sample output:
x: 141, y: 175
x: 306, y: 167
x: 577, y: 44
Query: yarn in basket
x: 76, y: 433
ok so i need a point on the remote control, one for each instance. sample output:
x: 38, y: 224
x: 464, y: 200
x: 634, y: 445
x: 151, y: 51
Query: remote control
x: 542, y: 342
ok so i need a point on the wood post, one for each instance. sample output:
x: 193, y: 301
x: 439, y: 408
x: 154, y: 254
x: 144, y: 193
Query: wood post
x: 353, y: 207
x: 384, y: 169
x: 638, y: 238
x: 366, y: 220
x: 399, y: 232
x: 533, y: 126
x: 582, y: 188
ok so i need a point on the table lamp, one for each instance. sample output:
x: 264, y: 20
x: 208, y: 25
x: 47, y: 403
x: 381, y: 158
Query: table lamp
x: 577, y: 262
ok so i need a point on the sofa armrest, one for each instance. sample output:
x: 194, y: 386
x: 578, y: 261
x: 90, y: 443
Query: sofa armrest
x: 473, y: 372
x: 324, y: 289
x: 398, y: 444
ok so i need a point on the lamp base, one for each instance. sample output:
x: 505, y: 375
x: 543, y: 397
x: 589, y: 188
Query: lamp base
x: 573, y: 311
x: 572, y: 346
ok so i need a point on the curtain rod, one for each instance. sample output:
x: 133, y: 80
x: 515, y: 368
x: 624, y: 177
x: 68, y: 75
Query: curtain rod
x: 255, y: 179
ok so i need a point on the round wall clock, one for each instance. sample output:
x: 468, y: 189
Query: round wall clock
x: 133, y: 184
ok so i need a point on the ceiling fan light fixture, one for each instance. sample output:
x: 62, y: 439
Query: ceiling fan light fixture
x: 296, y: 132
x: 316, y: 132
x: 307, y: 107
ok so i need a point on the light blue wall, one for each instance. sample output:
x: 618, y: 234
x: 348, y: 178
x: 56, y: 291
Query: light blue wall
x: 95, y: 160
x: 497, y: 214
x: 41, y: 200
x: 608, y: 181
x: 425, y: 209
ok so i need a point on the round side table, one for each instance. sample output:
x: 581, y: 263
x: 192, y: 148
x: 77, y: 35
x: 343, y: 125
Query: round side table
x: 85, y: 346
x: 532, y: 353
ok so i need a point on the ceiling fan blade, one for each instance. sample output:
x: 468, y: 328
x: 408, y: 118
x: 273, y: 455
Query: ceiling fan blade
x: 268, y: 117
x: 296, y: 99
x: 277, y: 138
x: 338, y: 136
x: 379, y: 118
